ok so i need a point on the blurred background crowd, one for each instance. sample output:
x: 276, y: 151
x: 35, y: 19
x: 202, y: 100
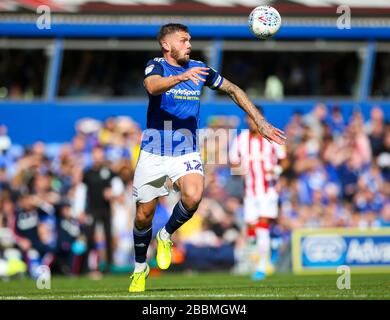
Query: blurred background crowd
x: 337, y: 174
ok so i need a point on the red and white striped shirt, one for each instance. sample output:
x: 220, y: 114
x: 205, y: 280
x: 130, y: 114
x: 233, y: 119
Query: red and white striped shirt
x: 258, y: 158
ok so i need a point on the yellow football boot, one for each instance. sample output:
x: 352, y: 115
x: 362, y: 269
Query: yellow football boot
x: 164, y: 256
x: 138, y: 280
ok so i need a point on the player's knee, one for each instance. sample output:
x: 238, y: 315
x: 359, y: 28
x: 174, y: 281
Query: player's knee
x: 143, y: 223
x: 143, y: 219
x: 191, y: 199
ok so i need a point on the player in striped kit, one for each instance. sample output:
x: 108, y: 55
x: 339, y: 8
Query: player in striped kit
x: 258, y: 160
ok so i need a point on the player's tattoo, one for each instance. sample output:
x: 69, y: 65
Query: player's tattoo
x: 231, y: 89
x: 264, y: 127
x: 241, y: 99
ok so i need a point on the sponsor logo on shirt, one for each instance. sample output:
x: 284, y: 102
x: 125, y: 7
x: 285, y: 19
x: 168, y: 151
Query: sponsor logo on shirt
x: 184, y: 94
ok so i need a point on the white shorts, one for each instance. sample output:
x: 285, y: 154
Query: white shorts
x: 152, y: 171
x: 261, y: 206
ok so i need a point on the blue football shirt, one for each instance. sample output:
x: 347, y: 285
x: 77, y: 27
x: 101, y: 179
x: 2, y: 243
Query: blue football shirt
x: 173, y: 117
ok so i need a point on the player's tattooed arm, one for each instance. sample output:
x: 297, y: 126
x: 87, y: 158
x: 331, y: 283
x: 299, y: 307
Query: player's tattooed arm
x: 157, y: 84
x: 242, y: 100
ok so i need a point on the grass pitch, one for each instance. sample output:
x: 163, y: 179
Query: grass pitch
x: 201, y: 286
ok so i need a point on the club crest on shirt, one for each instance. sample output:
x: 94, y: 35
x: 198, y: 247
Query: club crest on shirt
x: 149, y: 69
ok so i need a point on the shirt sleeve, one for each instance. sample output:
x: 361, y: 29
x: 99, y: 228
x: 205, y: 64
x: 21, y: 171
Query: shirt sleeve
x: 153, y: 68
x: 214, y: 79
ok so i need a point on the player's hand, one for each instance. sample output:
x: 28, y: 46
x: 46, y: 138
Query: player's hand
x: 194, y: 75
x: 271, y: 133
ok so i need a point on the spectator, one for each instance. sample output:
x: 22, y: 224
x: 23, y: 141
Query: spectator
x: 71, y: 242
x: 315, y: 119
x: 383, y: 158
x: 375, y: 129
x: 336, y: 122
x: 99, y: 193
x: 33, y: 237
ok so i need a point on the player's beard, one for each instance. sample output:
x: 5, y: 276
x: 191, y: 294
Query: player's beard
x: 182, y: 60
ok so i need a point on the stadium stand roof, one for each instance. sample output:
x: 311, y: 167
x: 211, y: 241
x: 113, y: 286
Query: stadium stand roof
x: 374, y: 13
x: 125, y: 18
x: 199, y: 7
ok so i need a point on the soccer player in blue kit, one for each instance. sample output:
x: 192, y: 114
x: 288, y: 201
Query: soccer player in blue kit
x: 169, y: 149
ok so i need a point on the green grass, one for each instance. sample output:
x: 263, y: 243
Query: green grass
x: 202, y: 286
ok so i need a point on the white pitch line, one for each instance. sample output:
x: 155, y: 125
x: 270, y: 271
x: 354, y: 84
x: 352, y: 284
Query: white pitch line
x: 14, y: 298
x: 132, y: 296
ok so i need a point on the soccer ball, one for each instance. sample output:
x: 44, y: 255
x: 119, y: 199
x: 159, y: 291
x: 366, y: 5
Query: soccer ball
x: 264, y: 22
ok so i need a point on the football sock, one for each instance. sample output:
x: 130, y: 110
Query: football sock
x: 139, y: 267
x: 142, y: 240
x: 179, y: 216
x: 263, y: 242
x: 164, y: 235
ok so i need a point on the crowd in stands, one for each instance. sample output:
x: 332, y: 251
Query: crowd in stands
x: 337, y: 174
